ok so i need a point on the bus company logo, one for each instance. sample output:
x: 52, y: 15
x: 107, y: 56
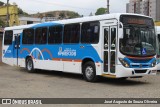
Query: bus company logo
x: 6, y: 101
x: 66, y: 52
x: 140, y: 66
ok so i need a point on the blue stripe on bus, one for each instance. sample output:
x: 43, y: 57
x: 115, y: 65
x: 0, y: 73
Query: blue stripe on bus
x: 137, y: 63
x: 45, y: 25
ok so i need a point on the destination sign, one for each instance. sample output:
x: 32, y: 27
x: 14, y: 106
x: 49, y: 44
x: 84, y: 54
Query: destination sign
x: 139, y: 20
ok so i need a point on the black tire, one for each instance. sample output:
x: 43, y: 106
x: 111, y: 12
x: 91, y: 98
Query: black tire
x: 89, y: 72
x: 29, y: 65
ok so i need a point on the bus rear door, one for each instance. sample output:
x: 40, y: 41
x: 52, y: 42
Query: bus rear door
x: 16, y: 48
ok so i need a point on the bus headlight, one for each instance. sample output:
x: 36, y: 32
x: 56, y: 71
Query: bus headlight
x: 154, y: 63
x: 124, y: 63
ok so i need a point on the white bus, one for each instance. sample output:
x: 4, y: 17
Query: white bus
x: 111, y: 45
x: 158, y: 51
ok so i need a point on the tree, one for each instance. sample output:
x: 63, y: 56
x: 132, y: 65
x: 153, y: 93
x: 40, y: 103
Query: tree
x: 101, y: 11
x: 2, y: 23
x: 20, y: 11
x: 62, y: 15
x: 1, y: 3
x: 71, y: 14
x: 91, y: 14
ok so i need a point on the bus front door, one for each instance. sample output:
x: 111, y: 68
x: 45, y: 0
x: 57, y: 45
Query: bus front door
x: 109, y: 59
x: 16, y: 48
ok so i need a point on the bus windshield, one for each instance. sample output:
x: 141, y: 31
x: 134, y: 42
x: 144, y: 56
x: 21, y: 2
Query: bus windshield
x: 139, y: 38
x: 138, y: 41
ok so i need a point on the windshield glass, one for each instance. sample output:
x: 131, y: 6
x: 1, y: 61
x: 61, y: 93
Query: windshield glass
x: 138, y: 41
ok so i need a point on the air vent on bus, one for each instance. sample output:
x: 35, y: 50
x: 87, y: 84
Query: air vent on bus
x: 140, y: 71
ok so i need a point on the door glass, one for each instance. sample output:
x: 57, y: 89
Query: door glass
x: 17, y: 41
x: 112, y: 69
x: 159, y: 44
x: 105, y: 61
x: 113, y: 38
x: 106, y: 38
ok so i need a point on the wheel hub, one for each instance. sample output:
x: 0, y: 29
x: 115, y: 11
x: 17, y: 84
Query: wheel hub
x: 89, y: 72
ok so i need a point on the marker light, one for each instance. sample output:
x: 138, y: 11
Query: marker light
x: 154, y: 63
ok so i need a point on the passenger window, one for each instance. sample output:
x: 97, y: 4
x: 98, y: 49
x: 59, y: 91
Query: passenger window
x: 28, y: 36
x: 71, y: 33
x: 8, y: 37
x: 55, y: 35
x: 41, y: 36
x: 90, y: 32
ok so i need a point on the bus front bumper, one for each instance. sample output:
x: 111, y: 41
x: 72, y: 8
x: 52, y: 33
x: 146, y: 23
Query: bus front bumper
x: 134, y: 72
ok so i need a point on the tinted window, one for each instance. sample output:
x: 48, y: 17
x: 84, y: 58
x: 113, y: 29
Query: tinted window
x: 41, y: 36
x: 113, y: 38
x: 55, y: 35
x: 8, y: 37
x: 90, y: 32
x: 71, y: 33
x: 159, y: 37
x: 28, y: 36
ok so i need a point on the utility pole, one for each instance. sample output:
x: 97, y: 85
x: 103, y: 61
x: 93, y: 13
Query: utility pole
x: 108, y: 7
x: 7, y: 13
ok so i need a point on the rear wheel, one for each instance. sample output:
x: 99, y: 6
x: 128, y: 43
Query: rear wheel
x: 29, y: 65
x: 89, y: 72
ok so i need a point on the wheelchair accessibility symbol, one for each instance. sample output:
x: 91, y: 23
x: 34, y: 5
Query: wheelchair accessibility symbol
x: 144, y: 51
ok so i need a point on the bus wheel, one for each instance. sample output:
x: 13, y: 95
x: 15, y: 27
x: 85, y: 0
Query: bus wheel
x: 89, y: 72
x: 29, y: 65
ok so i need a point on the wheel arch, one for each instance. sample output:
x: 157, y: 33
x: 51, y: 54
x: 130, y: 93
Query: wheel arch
x: 85, y: 60
x: 28, y: 56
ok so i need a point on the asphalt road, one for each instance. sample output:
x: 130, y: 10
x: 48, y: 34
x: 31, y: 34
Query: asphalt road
x: 16, y: 82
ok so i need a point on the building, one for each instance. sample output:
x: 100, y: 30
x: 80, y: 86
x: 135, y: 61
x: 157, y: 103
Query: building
x: 145, y: 7
x: 29, y: 20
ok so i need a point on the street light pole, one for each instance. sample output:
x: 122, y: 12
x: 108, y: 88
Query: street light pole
x: 7, y: 13
x: 108, y: 7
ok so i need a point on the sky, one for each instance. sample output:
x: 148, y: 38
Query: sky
x: 83, y: 7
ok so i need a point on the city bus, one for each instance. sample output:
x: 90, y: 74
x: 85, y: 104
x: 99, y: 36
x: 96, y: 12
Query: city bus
x: 158, y: 48
x: 116, y: 45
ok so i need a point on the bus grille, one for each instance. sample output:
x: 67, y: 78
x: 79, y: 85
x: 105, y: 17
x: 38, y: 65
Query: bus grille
x: 140, y: 71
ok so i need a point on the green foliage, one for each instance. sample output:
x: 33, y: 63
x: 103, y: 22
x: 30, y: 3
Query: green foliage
x: 20, y: 11
x: 2, y: 23
x: 101, y: 11
x: 1, y: 3
x: 72, y: 15
x: 62, y: 15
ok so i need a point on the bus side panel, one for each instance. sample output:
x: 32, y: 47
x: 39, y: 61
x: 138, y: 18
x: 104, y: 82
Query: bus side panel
x: 67, y: 58
x: 7, y: 53
x: 43, y: 57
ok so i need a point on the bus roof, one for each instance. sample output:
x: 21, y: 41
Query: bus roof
x: 75, y: 20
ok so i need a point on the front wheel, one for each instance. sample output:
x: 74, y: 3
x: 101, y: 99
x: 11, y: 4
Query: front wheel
x: 89, y: 72
x: 29, y: 65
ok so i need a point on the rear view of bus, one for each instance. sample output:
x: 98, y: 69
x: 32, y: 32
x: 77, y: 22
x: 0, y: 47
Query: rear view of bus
x: 137, y: 47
